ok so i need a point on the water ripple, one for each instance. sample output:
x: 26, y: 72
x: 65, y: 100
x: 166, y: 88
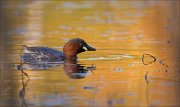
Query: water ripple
x: 113, y: 57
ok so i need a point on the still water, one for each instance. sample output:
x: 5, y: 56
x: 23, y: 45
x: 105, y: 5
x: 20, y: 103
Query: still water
x: 135, y: 64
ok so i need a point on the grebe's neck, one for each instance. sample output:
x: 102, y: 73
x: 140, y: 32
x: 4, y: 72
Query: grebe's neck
x: 72, y: 59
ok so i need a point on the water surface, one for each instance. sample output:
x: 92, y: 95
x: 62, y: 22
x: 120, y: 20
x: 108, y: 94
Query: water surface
x: 121, y: 31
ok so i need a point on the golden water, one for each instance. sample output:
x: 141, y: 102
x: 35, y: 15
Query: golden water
x: 121, y: 31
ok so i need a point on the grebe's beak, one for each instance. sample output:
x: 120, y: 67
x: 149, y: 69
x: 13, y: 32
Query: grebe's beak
x: 88, y: 48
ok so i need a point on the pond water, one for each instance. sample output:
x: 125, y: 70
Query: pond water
x: 135, y: 64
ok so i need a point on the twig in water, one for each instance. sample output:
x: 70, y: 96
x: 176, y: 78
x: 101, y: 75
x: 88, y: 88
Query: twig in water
x: 154, y: 59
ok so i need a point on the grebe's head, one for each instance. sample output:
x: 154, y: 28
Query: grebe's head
x: 76, y: 46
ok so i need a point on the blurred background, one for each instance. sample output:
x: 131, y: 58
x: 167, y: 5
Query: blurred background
x: 128, y: 36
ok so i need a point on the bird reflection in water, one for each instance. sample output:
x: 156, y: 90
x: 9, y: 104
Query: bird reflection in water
x: 71, y: 68
x: 77, y: 71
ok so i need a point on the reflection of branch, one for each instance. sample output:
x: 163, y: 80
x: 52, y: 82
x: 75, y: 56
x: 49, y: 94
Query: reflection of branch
x: 154, y: 59
x: 146, y: 77
x: 21, y: 65
x: 147, y: 88
x: 23, y: 91
x: 22, y: 71
x: 24, y: 83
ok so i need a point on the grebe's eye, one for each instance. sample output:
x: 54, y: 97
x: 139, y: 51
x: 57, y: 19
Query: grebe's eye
x: 84, y: 47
